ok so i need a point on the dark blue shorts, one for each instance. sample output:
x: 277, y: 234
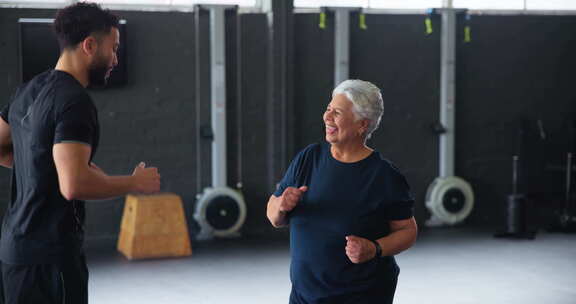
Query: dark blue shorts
x: 381, y: 295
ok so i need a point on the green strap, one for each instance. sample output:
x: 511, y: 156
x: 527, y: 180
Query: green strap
x: 322, y: 23
x: 467, y: 37
x: 363, y: 21
x: 428, y: 23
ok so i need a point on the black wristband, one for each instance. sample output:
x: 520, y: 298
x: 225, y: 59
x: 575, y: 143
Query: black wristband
x: 378, y: 249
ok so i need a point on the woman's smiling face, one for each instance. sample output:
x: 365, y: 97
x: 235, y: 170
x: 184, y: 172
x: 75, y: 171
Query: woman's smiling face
x: 341, y: 123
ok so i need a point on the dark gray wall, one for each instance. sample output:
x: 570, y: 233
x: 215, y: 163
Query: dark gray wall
x: 514, y: 69
x: 149, y: 119
x: 395, y: 54
x: 152, y: 118
x: 254, y: 141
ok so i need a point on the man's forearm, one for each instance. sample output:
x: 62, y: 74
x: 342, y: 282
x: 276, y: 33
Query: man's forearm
x: 94, y: 184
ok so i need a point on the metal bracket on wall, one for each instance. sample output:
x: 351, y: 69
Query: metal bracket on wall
x: 218, y: 95
x: 447, y: 90
x: 341, y: 41
x: 220, y: 210
x: 449, y: 198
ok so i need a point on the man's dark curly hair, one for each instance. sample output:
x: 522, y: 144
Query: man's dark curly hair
x: 77, y: 21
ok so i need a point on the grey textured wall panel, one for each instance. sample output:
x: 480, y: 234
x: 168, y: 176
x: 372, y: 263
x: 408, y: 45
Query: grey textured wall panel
x: 515, y: 69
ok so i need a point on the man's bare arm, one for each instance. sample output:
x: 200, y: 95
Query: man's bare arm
x: 78, y: 179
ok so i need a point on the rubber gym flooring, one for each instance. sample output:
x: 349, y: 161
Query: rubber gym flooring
x: 445, y: 266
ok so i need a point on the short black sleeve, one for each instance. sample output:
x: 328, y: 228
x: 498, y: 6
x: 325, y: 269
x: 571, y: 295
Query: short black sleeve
x: 4, y: 112
x: 6, y: 108
x: 76, y: 123
x: 400, y: 203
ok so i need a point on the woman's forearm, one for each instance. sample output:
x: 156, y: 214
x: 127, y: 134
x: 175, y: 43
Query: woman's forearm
x: 276, y: 217
x: 402, y: 237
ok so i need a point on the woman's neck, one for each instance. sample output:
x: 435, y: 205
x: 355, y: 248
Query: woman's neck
x: 350, y: 153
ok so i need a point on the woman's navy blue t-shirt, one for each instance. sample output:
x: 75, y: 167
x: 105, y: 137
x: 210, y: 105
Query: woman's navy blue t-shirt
x: 342, y: 199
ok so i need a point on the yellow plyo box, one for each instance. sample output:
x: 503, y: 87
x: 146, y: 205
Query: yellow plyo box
x: 154, y: 226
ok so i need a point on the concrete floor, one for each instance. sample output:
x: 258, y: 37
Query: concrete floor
x: 445, y: 266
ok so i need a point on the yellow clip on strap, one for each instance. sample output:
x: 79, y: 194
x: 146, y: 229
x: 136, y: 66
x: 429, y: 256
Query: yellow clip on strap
x: 363, y: 21
x: 322, y: 23
x: 467, y: 37
x: 428, y: 23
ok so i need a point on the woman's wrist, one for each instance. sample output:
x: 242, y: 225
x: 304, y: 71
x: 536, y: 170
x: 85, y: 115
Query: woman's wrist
x: 378, y: 248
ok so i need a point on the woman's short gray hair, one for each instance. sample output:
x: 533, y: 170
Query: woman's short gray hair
x: 366, y: 101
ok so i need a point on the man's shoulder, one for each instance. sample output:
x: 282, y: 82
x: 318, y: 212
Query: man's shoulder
x: 33, y: 86
x: 69, y: 95
x: 72, y: 98
x: 54, y: 85
x: 68, y: 90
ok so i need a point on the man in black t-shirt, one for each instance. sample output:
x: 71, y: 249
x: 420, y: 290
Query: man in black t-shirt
x: 49, y: 134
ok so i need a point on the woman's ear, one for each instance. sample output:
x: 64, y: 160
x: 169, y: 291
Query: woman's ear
x: 364, y: 123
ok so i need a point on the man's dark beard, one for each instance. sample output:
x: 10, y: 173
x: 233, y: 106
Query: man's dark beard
x: 97, y: 73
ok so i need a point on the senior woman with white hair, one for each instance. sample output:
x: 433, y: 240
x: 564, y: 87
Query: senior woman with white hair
x: 349, y: 209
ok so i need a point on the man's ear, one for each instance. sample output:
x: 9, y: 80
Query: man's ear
x: 89, y: 45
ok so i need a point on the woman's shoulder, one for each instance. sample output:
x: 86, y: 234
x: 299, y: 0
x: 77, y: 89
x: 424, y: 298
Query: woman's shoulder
x: 387, y: 167
x: 314, y: 148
